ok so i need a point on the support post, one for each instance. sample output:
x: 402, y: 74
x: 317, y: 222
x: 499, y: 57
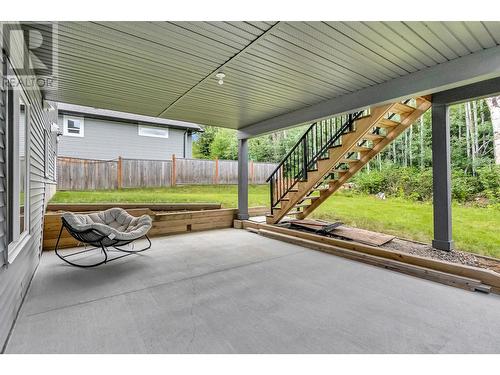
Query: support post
x: 243, y: 179
x: 441, y: 175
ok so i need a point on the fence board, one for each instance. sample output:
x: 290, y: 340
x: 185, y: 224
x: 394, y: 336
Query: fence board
x: 195, y: 171
x: 87, y: 174
x: 261, y: 171
x: 228, y: 172
x: 146, y: 173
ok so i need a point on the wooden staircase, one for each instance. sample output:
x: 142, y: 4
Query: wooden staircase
x: 332, y: 151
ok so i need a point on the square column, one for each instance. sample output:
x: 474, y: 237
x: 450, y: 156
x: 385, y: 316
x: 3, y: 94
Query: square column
x: 441, y: 175
x: 243, y: 179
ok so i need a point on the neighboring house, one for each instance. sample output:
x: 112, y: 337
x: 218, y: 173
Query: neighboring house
x: 92, y: 133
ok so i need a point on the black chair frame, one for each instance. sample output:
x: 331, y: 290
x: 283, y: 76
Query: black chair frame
x: 97, y: 240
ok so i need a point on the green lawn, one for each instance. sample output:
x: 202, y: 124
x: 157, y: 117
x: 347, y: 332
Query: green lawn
x: 474, y: 228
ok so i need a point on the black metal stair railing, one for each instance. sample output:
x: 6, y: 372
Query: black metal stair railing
x: 310, y: 148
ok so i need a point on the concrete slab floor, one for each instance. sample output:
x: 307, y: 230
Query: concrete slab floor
x: 231, y: 291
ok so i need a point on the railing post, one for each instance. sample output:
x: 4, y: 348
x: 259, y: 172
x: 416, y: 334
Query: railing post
x: 304, y: 157
x: 271, y: 190
x: 174, y: 171
x: 119, y: 173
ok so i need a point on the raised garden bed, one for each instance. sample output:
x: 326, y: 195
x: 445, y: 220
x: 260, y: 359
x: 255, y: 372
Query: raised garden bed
x: 166, y: 221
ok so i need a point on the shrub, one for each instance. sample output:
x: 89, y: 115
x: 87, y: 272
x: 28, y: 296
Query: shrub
x: 463, y: 187
x: 416, y: 184
x: 395, y: 181
x: 489, y: 179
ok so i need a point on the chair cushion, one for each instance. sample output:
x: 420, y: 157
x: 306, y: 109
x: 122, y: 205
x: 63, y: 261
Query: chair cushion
x: 116, y: 223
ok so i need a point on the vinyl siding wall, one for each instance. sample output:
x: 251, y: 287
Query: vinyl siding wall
x: 16, y: 276
x: 106, y: 140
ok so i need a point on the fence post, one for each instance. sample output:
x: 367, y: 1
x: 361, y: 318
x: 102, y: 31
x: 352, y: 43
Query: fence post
x: 174, y: 171
x: 251, y: 172
x: 119, y: 173
x: 216, y: 177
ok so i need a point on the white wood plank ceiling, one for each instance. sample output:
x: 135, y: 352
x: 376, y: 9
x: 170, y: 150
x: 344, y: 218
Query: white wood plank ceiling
x: 167, y: 69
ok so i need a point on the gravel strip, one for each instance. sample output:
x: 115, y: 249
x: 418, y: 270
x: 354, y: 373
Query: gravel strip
x: 455, y: 256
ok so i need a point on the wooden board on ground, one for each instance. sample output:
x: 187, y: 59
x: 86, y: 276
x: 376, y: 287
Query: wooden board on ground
x: 409, y: 269
x: 258, y: 219
x: 354, y: 234
x: 362, y: 235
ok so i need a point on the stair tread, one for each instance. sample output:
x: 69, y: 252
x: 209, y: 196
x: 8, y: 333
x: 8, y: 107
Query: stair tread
x: 402, y: 108
x: 386, y: 123
x: 360, y: 149
x: 373, y: 137
x: 311, y: 198
x: 301, y: 205
x: 346, y: 160
x: 339, y: 170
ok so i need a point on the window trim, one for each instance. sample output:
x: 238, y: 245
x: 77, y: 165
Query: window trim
x: 14, y: 247
x: 144, y: 127
x: 81, y: 134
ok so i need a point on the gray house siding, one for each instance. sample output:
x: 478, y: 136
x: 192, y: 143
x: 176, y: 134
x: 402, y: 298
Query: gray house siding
x: 3, y: 167
x: 108, y: 139
x: 15, y: 277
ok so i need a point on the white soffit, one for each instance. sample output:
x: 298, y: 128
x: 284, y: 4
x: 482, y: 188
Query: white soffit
x: 272, y: 69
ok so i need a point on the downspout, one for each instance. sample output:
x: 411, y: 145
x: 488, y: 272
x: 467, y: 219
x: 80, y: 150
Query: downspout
x: 184, y: 143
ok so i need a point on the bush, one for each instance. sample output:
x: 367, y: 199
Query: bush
x: 489, y: 179
x: 395, y: 181
x: 463, y: 187
x: 370, y: 183
x: 416, y: 184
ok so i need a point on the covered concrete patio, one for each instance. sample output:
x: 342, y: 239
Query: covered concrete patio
x: 232, y: 291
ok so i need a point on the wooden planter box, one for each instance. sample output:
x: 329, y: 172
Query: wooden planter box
x: 164, y: 223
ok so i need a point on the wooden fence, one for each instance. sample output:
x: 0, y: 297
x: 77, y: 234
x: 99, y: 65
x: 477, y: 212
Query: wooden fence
x: 88, y: 174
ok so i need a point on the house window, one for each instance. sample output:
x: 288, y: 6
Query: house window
x: 73, y: 126
x: 153, y: 131
x: 18, y: 172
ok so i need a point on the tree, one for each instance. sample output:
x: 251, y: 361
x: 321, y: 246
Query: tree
x: 202, y: 142
x: 494, y: 107
x: 224, y: 145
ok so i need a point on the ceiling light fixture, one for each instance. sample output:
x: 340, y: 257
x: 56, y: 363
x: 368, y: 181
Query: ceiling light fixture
x: 220, y: 76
